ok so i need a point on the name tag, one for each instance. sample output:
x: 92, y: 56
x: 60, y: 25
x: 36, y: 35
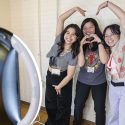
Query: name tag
x: 90, y: 69
x: 55, y: 71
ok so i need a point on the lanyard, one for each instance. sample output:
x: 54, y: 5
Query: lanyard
x: 110, y: 63
x: 91, y: 57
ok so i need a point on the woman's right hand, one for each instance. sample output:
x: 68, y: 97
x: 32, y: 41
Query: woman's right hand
x: 84, y: 41
x: 101, y: 6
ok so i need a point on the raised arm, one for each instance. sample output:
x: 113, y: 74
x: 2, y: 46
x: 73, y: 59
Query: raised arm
x: 66, y: 15
x: 115, y: 9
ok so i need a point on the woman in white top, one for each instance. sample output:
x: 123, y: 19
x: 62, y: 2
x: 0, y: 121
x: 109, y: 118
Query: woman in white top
x: 114, y: 36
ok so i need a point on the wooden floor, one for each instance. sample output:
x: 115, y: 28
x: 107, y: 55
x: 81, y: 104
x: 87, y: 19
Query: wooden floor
x: 42, y: 117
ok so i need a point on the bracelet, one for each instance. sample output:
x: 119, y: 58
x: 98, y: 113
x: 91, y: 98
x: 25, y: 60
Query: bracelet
x: 100, y: 43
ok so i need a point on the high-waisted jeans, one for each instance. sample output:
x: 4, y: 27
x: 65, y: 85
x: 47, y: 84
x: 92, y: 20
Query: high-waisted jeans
x: 58, y: 107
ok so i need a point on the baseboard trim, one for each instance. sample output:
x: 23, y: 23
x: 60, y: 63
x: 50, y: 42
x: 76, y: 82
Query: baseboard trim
x: 44, y: 109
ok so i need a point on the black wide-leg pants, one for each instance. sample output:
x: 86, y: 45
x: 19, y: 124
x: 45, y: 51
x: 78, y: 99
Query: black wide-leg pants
x: 58, y: 107
x: 99, y: 97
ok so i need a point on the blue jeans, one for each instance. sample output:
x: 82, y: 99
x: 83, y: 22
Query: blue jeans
x: 117, y: 104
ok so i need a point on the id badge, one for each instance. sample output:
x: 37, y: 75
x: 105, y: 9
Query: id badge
x: 90, y: 69
x: 56, y: 71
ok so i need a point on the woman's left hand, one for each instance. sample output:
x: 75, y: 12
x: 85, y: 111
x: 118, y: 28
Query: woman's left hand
x: 96, y: 38
x: 101, y: 6
x: 80, y: 10
x: 58, y: 89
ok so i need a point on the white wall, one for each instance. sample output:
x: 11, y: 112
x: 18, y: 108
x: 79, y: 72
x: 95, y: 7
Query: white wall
x: 5, y: 14
x: 24, y: 23
x: 106, y: 17
x: 48, y: 17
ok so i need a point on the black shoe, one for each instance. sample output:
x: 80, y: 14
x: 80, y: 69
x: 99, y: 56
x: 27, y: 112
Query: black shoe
x: 46, y: 123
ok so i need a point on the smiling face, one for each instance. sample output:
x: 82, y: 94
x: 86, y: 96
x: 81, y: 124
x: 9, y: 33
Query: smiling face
x: 88, y: 28
x: 111, y: 38
x: 70, y: 36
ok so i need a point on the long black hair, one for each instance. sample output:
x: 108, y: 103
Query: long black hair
x: 75, y: 45
x: 94, y: 22
x: 97, y: 32
x: 115, y: 29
